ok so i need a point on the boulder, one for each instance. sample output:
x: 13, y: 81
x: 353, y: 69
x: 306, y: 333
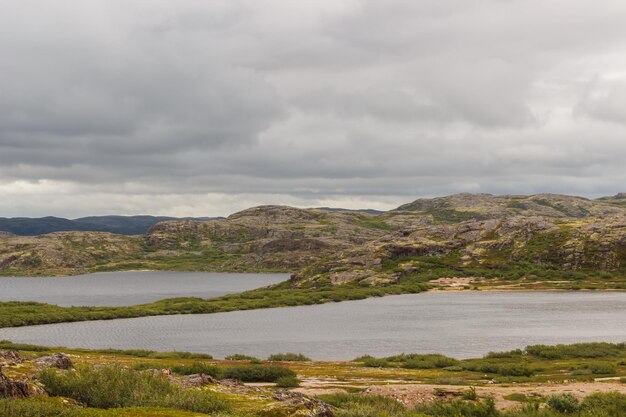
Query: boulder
x: 57, y: 360
x: 197, y: 380
x: 317, y: 408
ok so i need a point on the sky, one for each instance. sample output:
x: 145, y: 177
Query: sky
x: 204, y: 108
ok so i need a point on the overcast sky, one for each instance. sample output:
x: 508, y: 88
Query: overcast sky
x: 208, y: 107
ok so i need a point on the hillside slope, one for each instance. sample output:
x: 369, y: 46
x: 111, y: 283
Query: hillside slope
x: 529, y: 238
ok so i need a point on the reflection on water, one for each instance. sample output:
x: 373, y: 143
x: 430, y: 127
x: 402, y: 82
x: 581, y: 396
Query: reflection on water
x: 128, y: 288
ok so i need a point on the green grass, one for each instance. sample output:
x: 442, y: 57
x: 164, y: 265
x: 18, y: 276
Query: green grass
x: 596, y: 405
x: 117, y: 387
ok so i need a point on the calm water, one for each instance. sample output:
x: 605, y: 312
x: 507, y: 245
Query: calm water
x: 128, y: 288
x: 464, y: 324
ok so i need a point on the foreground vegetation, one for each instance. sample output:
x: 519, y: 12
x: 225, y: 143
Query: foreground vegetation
x: 116, y: 383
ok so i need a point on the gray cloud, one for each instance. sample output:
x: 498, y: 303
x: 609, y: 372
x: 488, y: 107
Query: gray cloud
x: 203, y: 108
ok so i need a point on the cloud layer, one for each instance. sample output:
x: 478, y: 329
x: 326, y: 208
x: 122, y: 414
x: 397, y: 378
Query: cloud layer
x: 204, y: 108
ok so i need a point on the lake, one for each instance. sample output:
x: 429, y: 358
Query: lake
x: 463, y: 324
x: 131, y: 287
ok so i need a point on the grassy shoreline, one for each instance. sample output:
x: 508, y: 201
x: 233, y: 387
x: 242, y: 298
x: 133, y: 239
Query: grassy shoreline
x: 16, y: 314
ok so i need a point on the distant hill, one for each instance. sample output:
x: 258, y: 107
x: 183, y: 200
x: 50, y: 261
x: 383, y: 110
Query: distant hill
x: 369, y: 211
x: 123, y: 225
x: 531, y: 238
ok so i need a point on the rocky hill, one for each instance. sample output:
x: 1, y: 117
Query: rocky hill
x: 463, y: 235
x: 64, y: 253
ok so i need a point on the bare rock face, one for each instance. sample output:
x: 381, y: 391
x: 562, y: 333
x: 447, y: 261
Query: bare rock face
x: 57, y: 360
x: 15, y: 388
x: 9, y: 358
x: 317, y: 408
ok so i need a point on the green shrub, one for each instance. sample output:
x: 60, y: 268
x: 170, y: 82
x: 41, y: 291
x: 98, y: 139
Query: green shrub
x: 612, y: 403
x: 257, y: 373
x: 577, y: 350
x: 198, y: 368
x: 116, y: 387
x: 430, y: 361
x: 601, y: 368
x: 495, y: 368
x: 563, y: 403
x: 240, y: 357
x: 288, y: 357
x: 485, y: 408
x: 287, y: 382
x: 470, y: 394
x: 375, y: 363
x: 515, y: 370
x: 504, y: 355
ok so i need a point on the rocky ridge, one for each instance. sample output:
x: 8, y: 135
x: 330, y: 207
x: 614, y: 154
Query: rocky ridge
x: 462, y: 231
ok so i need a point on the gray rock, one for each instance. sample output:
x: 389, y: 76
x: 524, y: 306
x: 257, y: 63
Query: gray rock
x: 317, y: 408
x: 57, y: 360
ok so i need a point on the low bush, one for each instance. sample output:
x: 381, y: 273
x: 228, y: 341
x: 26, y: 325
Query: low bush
x: 504, y: 355
x: 198, y: 368
x: 601, y: 368
x: 612, y: 403
x: 485, y: 408
x: 577, y: 350
x: 500, y: 369
x: 375, y: 363
x: 563, y: 403
x: 257, y: 373
x: 240, y: 357
x: 287, y: 382
x: 288, y: 357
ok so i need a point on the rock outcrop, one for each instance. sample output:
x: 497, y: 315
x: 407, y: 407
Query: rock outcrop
x: 10, y: 358
x: 57, y: 360
x: 315, y: 407
x: 15, y: 388
x: 197, y: 380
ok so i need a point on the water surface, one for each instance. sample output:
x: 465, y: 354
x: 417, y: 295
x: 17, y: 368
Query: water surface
x: 131, y: 287
x: 465, y: 324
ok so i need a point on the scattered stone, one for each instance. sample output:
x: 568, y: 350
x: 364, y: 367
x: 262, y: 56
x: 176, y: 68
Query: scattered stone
x: 57, y: 360
x: 316, y: 407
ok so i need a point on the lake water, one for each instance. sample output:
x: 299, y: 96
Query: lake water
x: 128, y: 288
x: 464, y: 324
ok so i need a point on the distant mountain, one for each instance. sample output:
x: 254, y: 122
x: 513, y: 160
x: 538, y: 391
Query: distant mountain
x: 124, y: 225
x: 369, y: 211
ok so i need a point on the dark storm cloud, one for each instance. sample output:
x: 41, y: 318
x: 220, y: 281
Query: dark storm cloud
x: 196, y: 107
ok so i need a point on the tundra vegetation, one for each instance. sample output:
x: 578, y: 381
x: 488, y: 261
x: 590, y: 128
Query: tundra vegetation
x: 538, y: 381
